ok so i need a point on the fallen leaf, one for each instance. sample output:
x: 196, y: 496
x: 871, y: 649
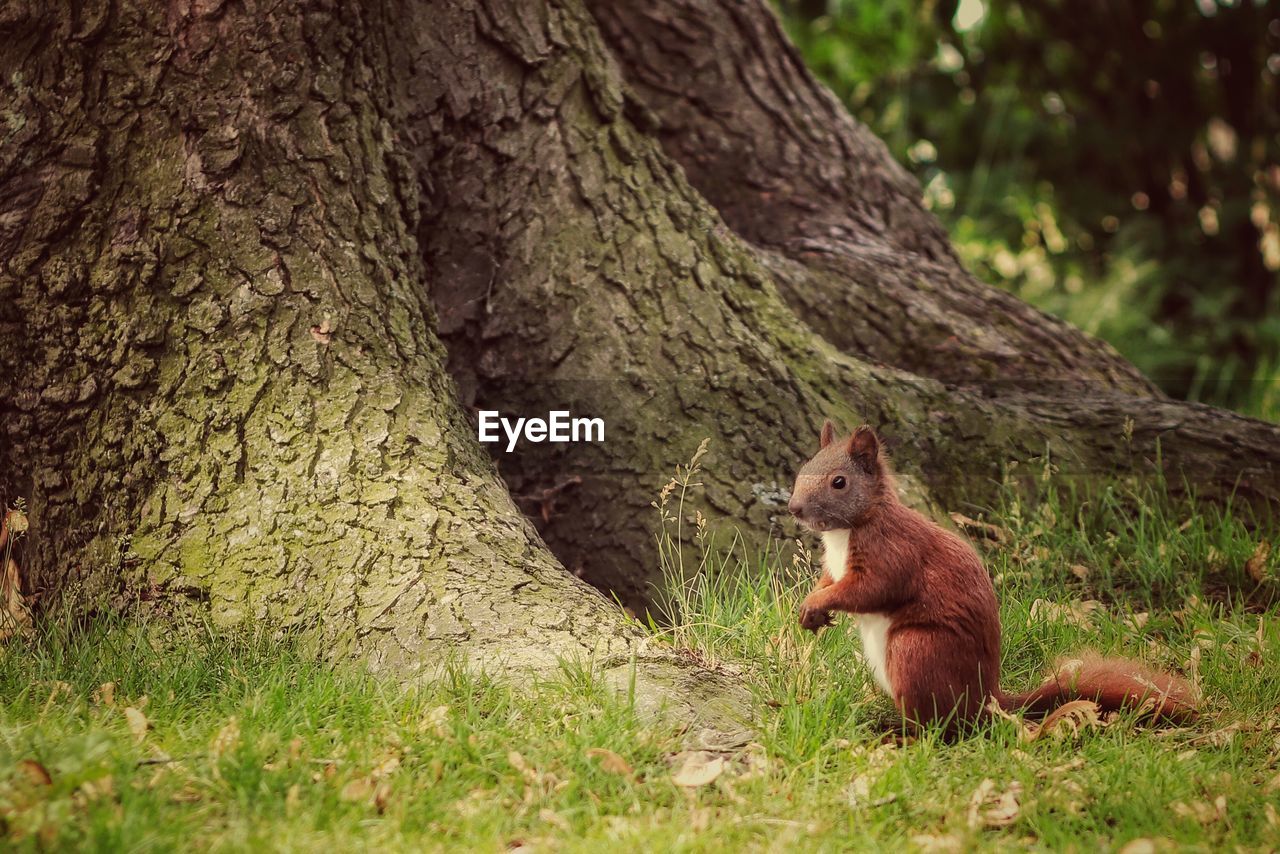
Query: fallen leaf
x: 60, y: 689
x: 1080, y: 571
x: 1072, y: 717
x: 988, y: 809
x: 1005, y: 812
x: 105, y: 695
x: 358, y: 789
x: 92, y: 790
x: 434, y: 721
x: 16, y: 618
x: 518, y: 762
x: 381, y: 796
x: 859, y: 789
x: 937, y: 843
x: 1256, y: 566
x: 138, y: 723
x: 188, y: 794
x: 1076, y: 613
x: 35, y: 772
x: 385, y: 768
x: 226, y: 739
x: 1137, y: 621
x: 554, y: 818
x: 1202, y: 811
x: 610, y: 761
x: 699, y: 768
x: 1026, y: 731
x: 1139, y: 846
x: 982, y: 529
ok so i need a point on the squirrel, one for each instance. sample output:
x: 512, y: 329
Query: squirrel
x: 926, y: 607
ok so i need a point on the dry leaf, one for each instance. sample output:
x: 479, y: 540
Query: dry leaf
x: 1203, y: 811
x: 434, y: 722
x: 610, y: 761
x: 358, y: 789
x: 15, y: 617
x: 1139, y: 846
x: 35, y: 772
x: 189, y: 794
x: 105, y: 695
x: 385, y: 768
x: 1072, y: 717
x: 381, y: 796
x: 1076, y: 613
x: 1256, y: 566
x: 1080, y: 571
x: 1137, y: 621
x: 988, y: 809
x: 60, y: 689
x: 138, y: 722
x: 981, y: 529
x: 226, y: 739
x: 292, y: 798
x: 517, y: 762
x: 699, y: 768
x: 553, y: 818
x: 92, y: 790
x: 937, y: 843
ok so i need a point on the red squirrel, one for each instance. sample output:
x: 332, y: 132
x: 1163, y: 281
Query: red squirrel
x: 926, y: 607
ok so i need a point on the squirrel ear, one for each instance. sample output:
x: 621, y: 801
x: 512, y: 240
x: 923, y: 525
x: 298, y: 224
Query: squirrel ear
x: 828, y: 434
x: 864, y: 448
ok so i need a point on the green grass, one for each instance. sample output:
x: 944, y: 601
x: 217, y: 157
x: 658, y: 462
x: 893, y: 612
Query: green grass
x: 252, y: 744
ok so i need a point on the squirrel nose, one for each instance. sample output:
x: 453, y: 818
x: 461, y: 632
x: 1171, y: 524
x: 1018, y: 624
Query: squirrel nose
x: 796, y: 508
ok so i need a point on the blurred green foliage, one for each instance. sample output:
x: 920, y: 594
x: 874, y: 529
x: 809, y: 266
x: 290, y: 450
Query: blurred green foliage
x: 1115, y: 162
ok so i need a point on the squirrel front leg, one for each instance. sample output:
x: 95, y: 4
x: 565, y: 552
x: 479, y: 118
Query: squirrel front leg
x: 858, y: 592
x: 811, y: 619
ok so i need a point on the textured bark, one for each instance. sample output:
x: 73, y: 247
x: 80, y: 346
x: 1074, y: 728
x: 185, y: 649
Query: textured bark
x: 220, y: 379
x: 838, y: 221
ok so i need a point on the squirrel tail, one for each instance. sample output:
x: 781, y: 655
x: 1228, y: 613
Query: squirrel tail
x: 1113, y: 683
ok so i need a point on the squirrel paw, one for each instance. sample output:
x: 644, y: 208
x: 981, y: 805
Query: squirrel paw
x: 814, y: 618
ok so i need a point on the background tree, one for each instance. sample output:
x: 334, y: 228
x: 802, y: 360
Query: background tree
x: 241, y: 243
x: 1117, y: 164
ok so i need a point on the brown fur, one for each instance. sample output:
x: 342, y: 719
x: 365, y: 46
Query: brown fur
x: 943, y: 646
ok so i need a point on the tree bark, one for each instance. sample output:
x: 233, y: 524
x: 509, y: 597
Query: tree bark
x: 222, y: 231
x: 221, y: 381
x: 588, y: 272
x: 838, y: 221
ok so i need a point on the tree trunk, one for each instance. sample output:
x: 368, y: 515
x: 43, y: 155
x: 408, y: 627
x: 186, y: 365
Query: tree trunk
x: 221, y: 380
x: 222, y: 229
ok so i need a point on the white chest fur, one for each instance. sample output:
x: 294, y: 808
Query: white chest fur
x: 873, y: 627
x: 835, y: 553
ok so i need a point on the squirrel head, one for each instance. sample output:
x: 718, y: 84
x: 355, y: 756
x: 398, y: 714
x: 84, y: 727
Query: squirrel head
x: 842, y: 483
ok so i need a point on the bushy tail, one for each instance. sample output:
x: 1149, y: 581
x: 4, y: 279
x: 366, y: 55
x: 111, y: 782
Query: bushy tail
x: 1112, y: 683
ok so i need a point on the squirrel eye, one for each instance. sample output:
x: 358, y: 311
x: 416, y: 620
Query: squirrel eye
x: 838, y: 482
